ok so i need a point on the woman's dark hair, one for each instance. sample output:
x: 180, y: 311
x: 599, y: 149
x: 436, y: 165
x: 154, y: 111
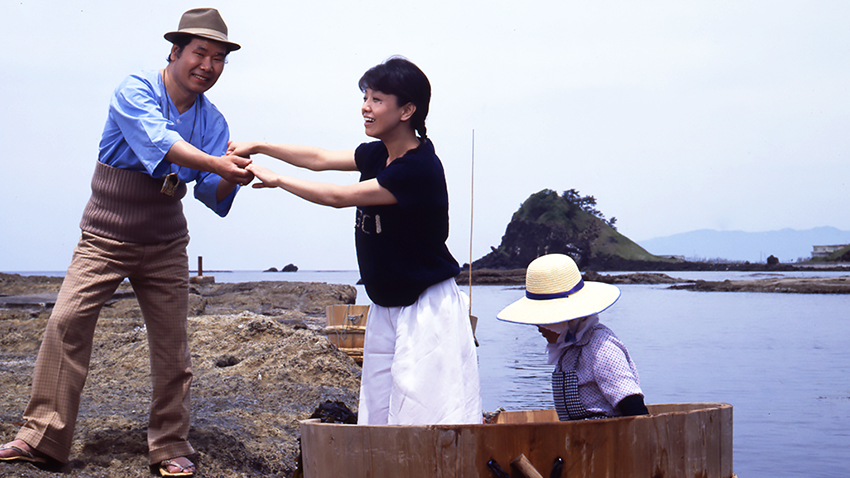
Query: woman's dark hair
x: 398, y: 76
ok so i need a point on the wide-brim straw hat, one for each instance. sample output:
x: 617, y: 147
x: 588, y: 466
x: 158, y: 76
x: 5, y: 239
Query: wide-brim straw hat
x: 555, y: 292
x: 204, y: 23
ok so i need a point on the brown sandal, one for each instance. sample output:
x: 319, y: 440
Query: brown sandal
x: 22, y: 455
x: 163, y: 468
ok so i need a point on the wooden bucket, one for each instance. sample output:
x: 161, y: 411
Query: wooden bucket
x: 347, y: 315
x: 691, y: 440
x: 346, y: 328
x: 346, y: 337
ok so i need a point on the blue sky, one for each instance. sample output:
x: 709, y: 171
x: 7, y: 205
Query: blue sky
x: 676, y: 116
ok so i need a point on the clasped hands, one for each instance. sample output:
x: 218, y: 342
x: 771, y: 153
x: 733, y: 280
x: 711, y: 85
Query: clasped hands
x: 235, y: 169
x: 243, y: 151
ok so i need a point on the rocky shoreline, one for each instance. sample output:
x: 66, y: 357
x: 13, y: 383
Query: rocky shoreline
x: 261, y: 364
x: 808, y: 285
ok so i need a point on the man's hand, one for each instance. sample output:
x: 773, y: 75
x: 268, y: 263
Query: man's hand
x: 232, y: 168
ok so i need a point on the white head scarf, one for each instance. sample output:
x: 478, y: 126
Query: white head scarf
x: 569, y: 333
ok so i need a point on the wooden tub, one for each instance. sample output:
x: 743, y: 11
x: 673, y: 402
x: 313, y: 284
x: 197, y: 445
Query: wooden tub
x: 674, y: 441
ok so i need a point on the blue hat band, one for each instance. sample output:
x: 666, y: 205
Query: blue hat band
x: 556, y: 295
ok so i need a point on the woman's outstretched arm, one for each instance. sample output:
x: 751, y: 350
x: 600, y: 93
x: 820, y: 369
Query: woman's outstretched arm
x: 308, y: 157
x: 365, y: 193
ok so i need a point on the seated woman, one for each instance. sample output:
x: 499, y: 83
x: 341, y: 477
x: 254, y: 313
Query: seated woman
x: 594, y: 375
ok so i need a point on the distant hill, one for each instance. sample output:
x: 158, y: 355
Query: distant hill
x: 788, y: 245
x: 549, y: 223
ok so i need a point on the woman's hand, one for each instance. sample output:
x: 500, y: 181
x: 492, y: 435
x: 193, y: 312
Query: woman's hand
x: 242, y: 148
x: 267, y: 177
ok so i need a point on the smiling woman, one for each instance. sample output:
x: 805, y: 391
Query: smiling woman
x: 382, y: 113
x: 419, y: 358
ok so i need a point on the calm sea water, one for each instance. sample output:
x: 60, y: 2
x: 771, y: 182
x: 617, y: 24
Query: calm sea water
x: 781, y: 360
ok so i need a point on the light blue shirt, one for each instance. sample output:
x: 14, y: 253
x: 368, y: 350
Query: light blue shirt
x: 143, y: 124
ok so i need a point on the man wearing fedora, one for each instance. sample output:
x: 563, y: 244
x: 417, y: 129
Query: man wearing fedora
x: 161, y: 133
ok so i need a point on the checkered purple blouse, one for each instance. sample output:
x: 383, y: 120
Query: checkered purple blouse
x: 606, y: 372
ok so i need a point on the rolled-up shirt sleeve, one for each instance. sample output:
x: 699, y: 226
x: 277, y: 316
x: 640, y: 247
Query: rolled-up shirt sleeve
x: 206, y: 183
x: 205, y: 191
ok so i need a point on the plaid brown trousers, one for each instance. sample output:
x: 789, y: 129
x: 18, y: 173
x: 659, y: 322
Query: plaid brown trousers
x: 159, y: 274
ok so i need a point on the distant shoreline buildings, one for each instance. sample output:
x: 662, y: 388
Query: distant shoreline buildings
x: 826, y: 251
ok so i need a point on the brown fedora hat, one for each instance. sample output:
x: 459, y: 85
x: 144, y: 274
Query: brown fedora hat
x: 204, y: 23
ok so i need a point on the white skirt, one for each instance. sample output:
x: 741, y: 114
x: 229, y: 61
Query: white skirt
x: 419, y: 362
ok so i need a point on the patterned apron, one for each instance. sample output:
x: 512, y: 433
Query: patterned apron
x: 565, y: 392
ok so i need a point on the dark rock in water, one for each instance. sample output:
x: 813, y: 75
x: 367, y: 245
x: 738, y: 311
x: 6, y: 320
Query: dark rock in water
x: 517, y: 277
x: 789, y: 285
x: 634, y: 278
x: 288, y: 268
x: 492, y: 277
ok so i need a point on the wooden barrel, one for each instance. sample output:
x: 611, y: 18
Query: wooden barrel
x: 675, y: 440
